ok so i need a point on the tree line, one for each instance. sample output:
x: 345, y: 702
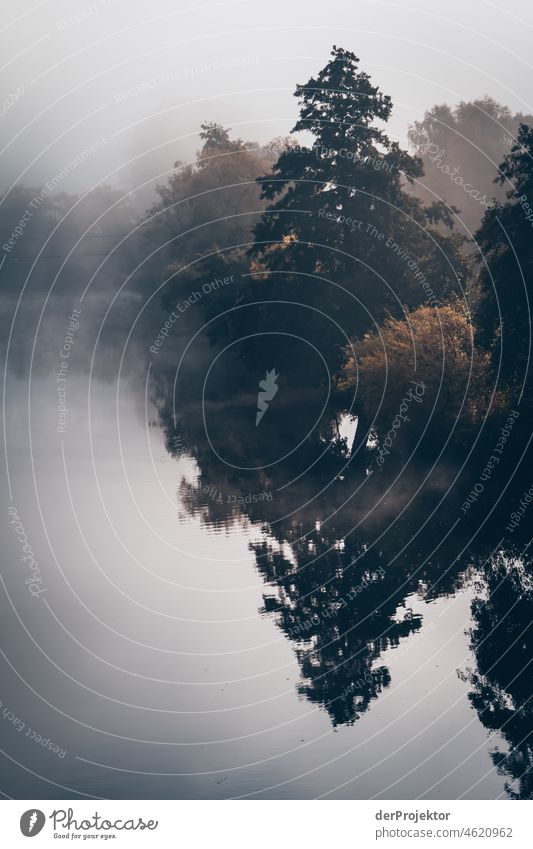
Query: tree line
x: 364, y: 248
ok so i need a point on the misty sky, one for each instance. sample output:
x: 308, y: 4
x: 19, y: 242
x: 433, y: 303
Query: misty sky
x: 76, y: 63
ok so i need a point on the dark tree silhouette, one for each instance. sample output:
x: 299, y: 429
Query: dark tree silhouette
x: 342, y: 244
x: 502, y: 639
x: 461, y: 148
x: 506, y: 276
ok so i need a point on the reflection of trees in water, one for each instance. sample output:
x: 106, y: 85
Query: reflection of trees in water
x: 336, y: 594
x: 502, y: 641
x: 343, y: 558
x: 338, y: 603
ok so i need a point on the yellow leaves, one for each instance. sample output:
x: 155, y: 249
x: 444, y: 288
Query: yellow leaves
x: 289, y: 239
x: 433, y: 345
x: 258, y: 270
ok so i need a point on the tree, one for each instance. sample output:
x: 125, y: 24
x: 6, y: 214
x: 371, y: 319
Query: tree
x: 342, y: 244
x: 460, y: 148
x: 423, y: 368
x: 340, y: 210
x: 213, y: 201
x: 506, y: 274
x: 200, y: 229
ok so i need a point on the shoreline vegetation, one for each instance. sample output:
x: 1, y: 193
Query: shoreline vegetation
x: 403, y: 299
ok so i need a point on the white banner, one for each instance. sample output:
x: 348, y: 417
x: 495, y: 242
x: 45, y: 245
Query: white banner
x: 264, y: 824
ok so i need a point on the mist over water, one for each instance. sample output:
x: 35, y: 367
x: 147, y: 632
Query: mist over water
x: 266, y: 401
x: 153, y: 651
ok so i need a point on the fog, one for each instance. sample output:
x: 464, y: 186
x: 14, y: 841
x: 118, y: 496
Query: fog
x: 330, y: 604
x: 142, y: 77
x: 111, y: 94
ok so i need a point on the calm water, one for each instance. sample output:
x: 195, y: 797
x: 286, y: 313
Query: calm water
x: 191, y: 644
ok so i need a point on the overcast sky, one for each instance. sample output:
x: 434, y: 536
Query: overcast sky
x: 71, y: 68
